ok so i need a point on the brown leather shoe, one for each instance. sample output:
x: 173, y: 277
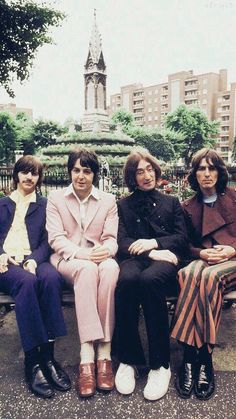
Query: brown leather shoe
x: 105, y: 376
x: 86, y: 383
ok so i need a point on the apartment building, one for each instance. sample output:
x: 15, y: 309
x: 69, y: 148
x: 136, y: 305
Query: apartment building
x: 208, y: 91
x: 14, y: 110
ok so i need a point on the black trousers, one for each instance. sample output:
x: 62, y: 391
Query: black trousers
x: 146, y: 283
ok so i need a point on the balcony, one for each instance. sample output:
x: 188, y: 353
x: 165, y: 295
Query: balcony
x: 138, y: 112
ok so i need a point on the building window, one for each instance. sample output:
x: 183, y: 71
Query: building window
x: 150, y: 92
x: 204, y: 92
x: 219, y: 100
x: 225, y: 118
x: 226, y: 97
x: 137, y: 94
x: 150, y: 118
x: 204, y: 102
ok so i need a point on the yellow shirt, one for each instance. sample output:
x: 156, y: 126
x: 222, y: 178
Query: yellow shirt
x: 17, y: 242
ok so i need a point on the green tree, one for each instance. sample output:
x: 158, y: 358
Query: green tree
x: 157, y: 142
x: 8, y: 138
x: 195, y: 129
x: 24, y: 133
x: 124, y: 118
x: 234, y: 150
x: 24, y: 28
x: 45, y: 133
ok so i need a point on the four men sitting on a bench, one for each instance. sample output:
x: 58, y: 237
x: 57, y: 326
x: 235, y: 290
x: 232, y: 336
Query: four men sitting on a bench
x: 82, y: 225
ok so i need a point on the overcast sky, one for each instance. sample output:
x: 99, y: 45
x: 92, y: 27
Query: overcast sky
x: 143, y: 41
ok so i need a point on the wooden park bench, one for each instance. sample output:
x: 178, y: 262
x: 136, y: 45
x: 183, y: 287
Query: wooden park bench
x: 68, y: 299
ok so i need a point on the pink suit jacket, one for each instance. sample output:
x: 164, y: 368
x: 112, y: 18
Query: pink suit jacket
x: 65, y: 235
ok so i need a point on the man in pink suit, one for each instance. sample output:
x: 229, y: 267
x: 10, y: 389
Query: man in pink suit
x: 82, y: 225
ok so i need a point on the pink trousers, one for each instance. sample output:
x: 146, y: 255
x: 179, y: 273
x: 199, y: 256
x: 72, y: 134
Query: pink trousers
x: 94, y: 287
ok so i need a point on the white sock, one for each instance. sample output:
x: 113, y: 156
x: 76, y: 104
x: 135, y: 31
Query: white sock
x: 104, y: 350
x: 87, y: 353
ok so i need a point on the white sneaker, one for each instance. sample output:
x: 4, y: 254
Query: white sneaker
x: 157, y: 383
x: 125, y: 379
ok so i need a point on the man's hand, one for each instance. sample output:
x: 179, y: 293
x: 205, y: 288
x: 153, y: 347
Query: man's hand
x: 30, y: 265
x: 142, y: 245
x: 99, y: 253
x: 5, y: 259
x: 217, y: 254
x: 165, y: 255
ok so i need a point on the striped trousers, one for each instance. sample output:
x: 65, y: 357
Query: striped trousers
x: 198, y: 311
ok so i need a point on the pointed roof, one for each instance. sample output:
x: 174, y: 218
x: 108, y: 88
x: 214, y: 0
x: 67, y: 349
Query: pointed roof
x: 95, y: 45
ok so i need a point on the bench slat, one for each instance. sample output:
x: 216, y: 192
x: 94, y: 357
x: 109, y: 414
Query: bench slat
x: 68, y: 297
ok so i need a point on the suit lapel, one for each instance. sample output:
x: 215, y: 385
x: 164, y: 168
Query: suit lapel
x: 33, y: 206
x: 73, y: 207
x: 212, y: 220
x: 93, y: 206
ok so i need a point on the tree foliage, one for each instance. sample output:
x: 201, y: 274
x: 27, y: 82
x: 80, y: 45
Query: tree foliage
x: 234, y: 150
x: 195, y: 129
x: 157, y: 142
x: 21, y: 133
x: 124, y: 118
x: 24, y: 28
x: 24, y: 130
x: 8, y: 138
x: 45, y: 133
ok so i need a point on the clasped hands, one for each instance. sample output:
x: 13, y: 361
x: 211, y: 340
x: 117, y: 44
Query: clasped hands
x: 143, y: 245
x: 5, y: 259
x: 217, y: 254
x: 30, y: 265
x: 99, y: 253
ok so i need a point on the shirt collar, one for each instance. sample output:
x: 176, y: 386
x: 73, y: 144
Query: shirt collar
x: 17, y: 197
x: 94, y: 193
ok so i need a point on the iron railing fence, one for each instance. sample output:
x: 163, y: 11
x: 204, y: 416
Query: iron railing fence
x: 173, y: 181
x: 111, y: 182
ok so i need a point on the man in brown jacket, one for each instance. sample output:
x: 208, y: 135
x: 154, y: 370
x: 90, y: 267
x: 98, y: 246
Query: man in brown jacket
x: 211, y: 222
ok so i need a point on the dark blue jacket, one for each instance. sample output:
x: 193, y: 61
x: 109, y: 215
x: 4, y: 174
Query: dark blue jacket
x: 35, y: 220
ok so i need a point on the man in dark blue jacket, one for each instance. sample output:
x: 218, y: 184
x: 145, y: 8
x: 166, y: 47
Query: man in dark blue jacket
x: 30, y: 279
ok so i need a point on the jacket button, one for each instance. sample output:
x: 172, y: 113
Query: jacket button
x: 138, y: 220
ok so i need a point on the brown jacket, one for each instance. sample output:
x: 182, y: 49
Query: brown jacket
x: 208, y: 226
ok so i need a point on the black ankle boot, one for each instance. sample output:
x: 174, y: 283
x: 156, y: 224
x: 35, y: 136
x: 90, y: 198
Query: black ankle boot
x: 204, y: 382
x: 185, y: 380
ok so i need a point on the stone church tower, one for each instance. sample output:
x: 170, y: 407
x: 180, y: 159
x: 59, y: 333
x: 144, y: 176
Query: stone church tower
x: 95, y: 117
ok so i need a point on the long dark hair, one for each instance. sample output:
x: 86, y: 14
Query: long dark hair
x: 131, y: 165
x: 211, y: 156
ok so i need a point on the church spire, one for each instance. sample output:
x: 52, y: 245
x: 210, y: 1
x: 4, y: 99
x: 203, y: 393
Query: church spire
x: 95, y: 45
x: 96, y: 116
